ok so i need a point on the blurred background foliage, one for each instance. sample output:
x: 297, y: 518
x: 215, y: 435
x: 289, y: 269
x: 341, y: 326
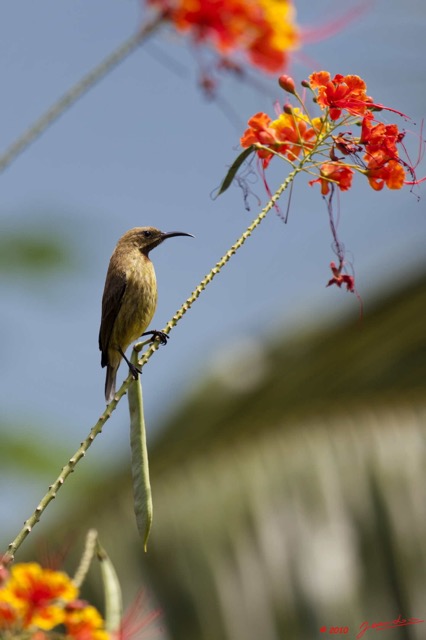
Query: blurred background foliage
x: 289, y: 487
x: 33, y: 253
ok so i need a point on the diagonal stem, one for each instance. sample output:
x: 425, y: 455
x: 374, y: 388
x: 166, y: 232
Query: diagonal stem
x: 74, y: 93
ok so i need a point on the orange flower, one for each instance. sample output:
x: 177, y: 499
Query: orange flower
x: 342, y: 93
x: 35, y: 596
x: 380, y: 137
x: 85, y: 623
x: 334, y: 173
x: 258, y: 131
x: 289, y: 134
x: 264, y: 29
x: 383, y: 171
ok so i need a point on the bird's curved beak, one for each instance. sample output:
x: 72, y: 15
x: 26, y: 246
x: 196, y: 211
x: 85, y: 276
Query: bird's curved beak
x: 172, y: 234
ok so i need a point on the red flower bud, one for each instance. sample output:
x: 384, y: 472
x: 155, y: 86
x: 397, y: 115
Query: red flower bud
x: 287, y: 83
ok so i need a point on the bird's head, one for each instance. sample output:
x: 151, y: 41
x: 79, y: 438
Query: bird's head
x: 147, y: 238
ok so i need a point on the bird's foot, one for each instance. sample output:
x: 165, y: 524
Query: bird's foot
x: 134, y: 370
x: 159, y: 336
x: 132, y: 367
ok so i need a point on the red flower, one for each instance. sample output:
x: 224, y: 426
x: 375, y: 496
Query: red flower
x: 342, y: 93
x: 340, y: 278
x: 334, y: 173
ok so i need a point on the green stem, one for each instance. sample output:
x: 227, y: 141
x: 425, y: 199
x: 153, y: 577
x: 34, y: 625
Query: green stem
x: 96, y: 430
x: 78, y: 90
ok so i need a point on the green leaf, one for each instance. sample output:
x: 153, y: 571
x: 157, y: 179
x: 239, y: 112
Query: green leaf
x: 233, y: 170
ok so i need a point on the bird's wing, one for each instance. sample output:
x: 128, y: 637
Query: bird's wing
x: 111, y: 303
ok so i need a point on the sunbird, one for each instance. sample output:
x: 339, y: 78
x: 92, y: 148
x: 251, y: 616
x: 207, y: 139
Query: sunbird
x: 129, y: 299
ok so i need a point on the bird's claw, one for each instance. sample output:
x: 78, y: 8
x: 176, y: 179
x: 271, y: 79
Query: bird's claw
x: 160, y: 336
x: 134, y: 370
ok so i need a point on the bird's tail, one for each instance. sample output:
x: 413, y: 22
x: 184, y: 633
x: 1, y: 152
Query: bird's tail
x: 111, y: 375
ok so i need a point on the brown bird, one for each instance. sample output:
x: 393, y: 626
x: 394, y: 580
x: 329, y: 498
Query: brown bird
x: 129, y: 300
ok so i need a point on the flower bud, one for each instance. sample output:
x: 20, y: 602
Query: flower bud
x: 287, y: 83
x: 287, y: 108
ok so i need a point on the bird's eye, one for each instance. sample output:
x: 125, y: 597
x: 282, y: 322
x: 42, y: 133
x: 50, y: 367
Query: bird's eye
x: 147, y: 234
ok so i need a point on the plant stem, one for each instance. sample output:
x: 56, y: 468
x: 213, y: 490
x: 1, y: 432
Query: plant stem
x: 79, y: 89
x: 96, y: 430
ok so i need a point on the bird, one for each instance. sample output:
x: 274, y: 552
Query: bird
x: 129, y: 299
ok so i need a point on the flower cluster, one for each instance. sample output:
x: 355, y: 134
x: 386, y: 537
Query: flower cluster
x: 344, y: 101
x: 380, y: 161
x: 39, y: 604
x: 324, y: 147
x: 263, y: 29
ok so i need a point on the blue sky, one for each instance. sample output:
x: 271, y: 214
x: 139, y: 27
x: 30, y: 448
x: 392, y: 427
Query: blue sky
x: 146, y: 148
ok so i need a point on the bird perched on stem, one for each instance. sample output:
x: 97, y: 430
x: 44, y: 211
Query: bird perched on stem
x: 129, y: 300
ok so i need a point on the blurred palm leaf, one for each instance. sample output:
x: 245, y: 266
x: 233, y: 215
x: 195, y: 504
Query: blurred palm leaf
x: 289, y: 490
x: 378, y: 359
